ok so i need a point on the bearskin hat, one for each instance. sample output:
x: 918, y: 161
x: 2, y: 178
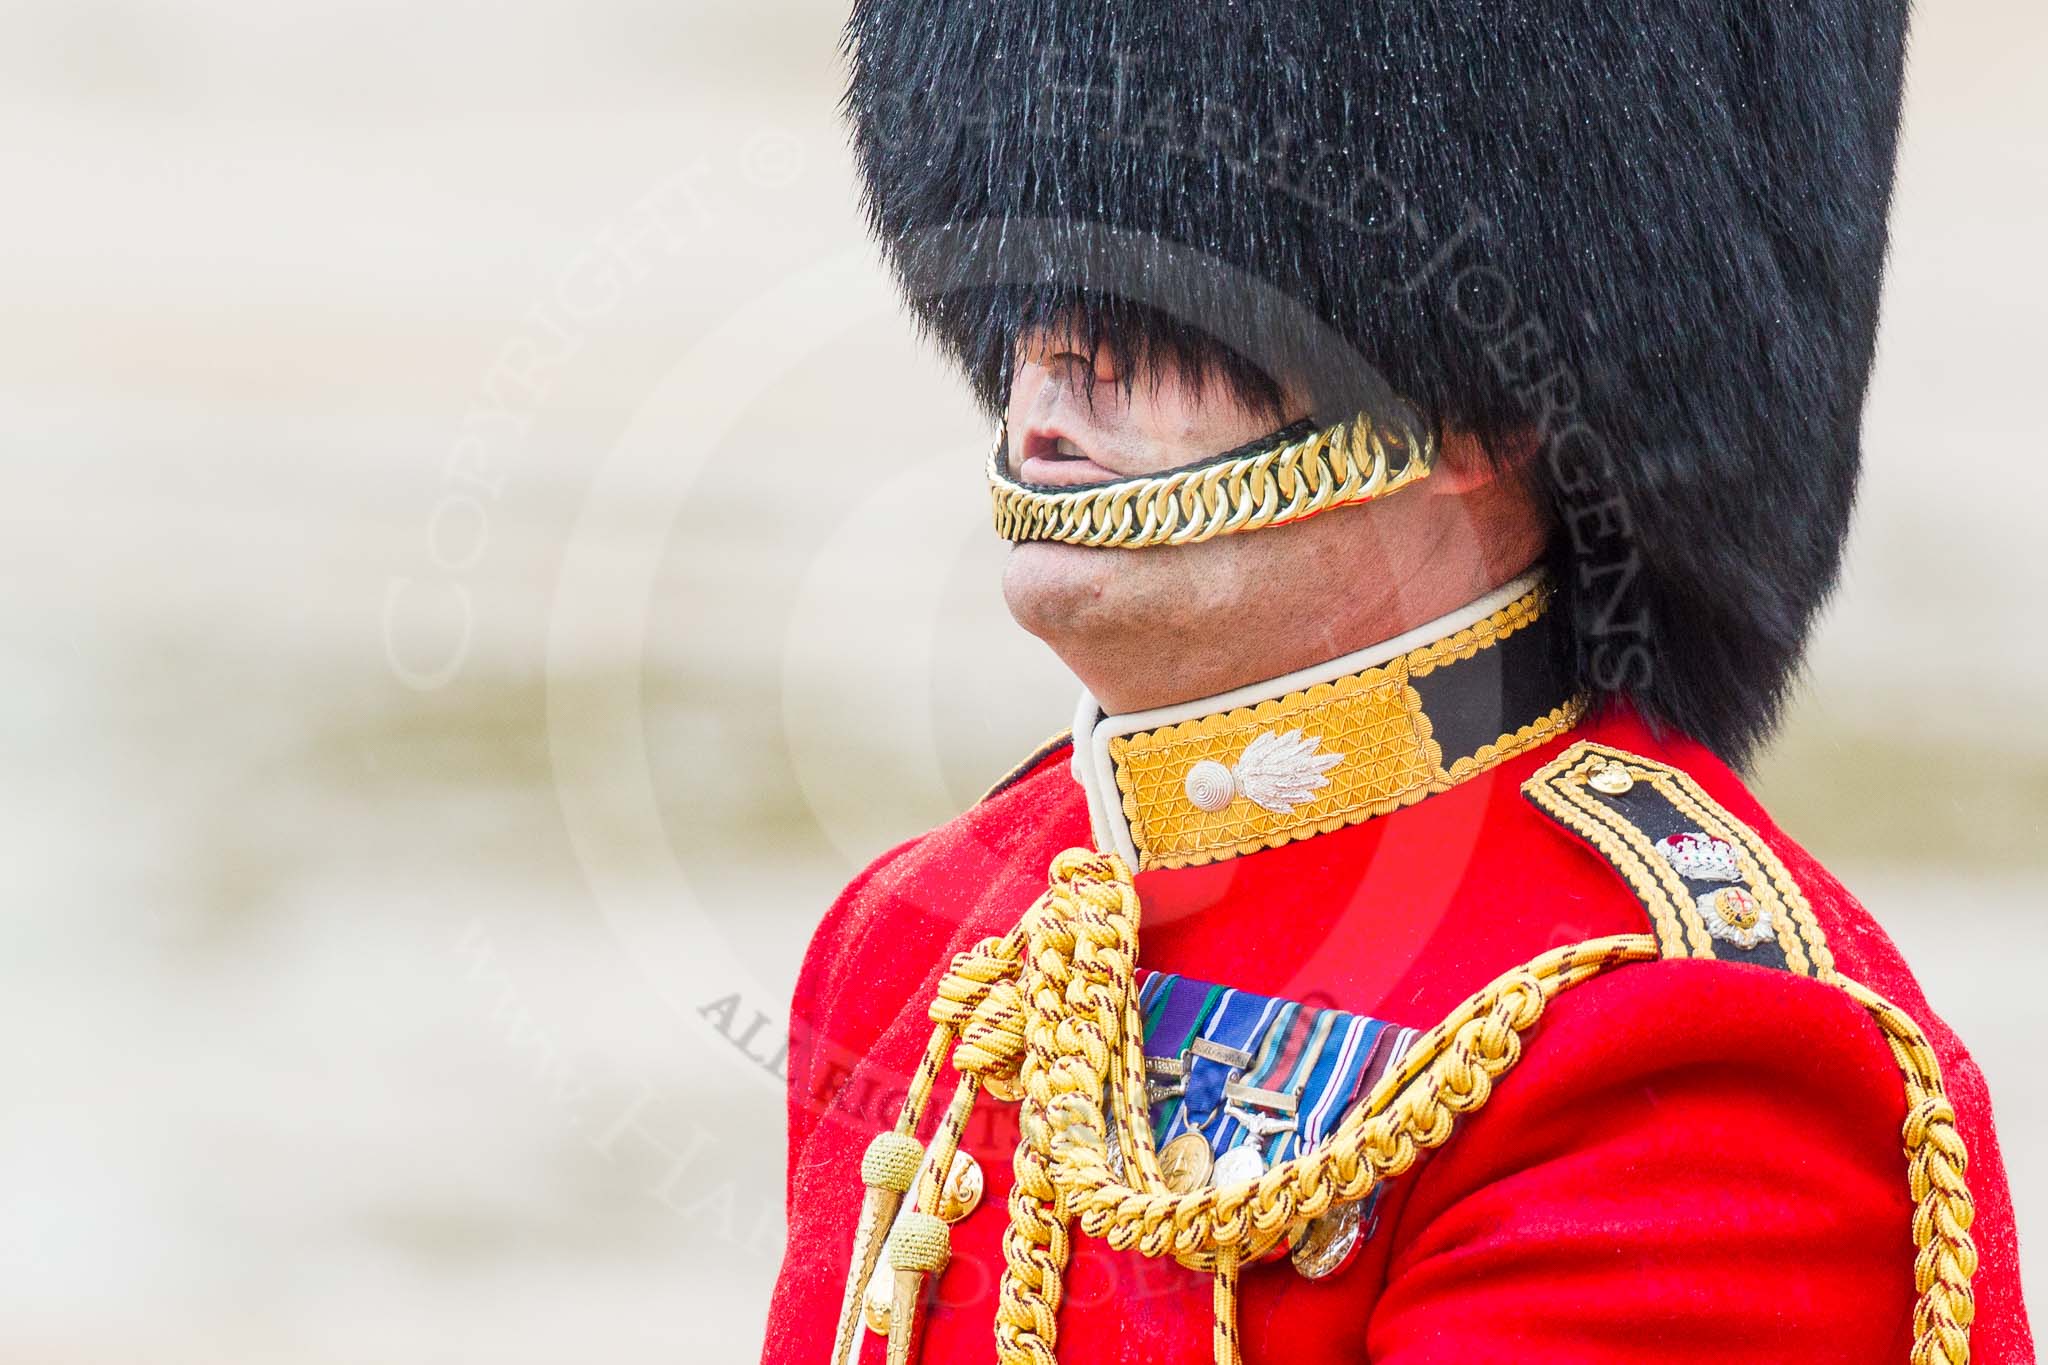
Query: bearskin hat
x: 1649, y: 236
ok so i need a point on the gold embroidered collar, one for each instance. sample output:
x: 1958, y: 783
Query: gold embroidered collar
x: 1328, y: 746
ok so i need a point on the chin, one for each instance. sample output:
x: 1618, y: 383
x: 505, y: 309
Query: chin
x: 1065, y: 594
x: 1055, y: 590
x: 1068, y: 593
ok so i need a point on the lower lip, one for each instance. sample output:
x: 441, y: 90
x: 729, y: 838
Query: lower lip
x: 1064, y: 473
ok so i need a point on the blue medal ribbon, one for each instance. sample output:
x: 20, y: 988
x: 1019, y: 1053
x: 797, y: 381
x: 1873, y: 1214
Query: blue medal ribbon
x: 1238, y: 1022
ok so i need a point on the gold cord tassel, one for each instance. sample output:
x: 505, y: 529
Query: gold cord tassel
x: 920, y: 1247
x: 921, y: 1243
x: 887, y: 1170
x: 978, y: 1007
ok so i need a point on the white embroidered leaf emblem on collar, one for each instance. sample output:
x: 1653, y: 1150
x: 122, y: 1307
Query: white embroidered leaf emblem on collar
x: 1276, y: 772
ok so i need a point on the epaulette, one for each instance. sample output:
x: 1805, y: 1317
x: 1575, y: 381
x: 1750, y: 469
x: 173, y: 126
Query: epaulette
x: 1712, y: 887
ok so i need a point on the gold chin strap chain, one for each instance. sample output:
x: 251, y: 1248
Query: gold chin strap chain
x: 1354, y: 461
x: 1048, y: 1015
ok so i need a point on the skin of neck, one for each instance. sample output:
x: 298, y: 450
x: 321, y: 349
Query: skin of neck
x: 1172, y: 624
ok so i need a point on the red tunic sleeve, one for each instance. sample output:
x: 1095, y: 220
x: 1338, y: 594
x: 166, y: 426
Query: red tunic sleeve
x: 1694, y: 1161
x: 814, y: 1051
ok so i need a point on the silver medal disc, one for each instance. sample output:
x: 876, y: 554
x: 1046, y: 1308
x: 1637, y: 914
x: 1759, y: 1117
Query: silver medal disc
x: 1329, y: 1242
x: 1238, y: 1166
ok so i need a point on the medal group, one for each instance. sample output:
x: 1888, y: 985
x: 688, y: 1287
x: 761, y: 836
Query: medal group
x: 1238, y: 1082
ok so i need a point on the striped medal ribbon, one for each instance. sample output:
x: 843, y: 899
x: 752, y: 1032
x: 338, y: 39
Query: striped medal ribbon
x: 1254, y: 1075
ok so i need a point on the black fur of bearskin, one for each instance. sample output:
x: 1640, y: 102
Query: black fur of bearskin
x: 1650, y: 235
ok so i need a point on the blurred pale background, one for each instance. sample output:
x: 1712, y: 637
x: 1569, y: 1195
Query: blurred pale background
x: 464, y: 619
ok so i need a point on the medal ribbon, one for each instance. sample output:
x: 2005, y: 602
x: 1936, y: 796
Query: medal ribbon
x: 1236, y: 1024
x: 1325, y: 1058
x: 1179, y: 1011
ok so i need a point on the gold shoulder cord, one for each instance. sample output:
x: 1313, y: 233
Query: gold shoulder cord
x: 1048, y: 1015
x: 1354, y: 461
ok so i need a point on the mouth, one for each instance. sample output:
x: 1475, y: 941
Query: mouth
x: 1052, y: 459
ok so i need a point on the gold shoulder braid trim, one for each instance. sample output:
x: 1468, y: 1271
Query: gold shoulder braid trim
x: 1712, y: 888
x: 1341, y: 752
x: 1350, y: 462
x: 1050, y: 1012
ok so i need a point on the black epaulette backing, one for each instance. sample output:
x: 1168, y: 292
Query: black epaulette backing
x: 1712, y: 887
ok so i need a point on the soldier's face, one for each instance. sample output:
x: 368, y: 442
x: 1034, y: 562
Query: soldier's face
x: 1071, y: 421
x: 1112, y: 612
x: 1149, y: 627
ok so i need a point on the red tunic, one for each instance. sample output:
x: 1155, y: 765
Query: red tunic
x: 1694, y: 1161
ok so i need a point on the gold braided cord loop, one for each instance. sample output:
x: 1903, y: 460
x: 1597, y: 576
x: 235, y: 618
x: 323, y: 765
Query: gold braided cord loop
x: 1052, y: 1008
x: 1035, y: 1249
x: 979, y: 1002
x: 1354, y: 461
x: 1942, y: 1208
x: 1449, y: 1071
x: 1132, y: 1106
x: 1070, y: 978
x: 1229, y: 1348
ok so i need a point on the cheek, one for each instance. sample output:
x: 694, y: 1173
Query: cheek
x: 1213, y: 579
x: 1288, y: 581
x: 1196, y: 423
